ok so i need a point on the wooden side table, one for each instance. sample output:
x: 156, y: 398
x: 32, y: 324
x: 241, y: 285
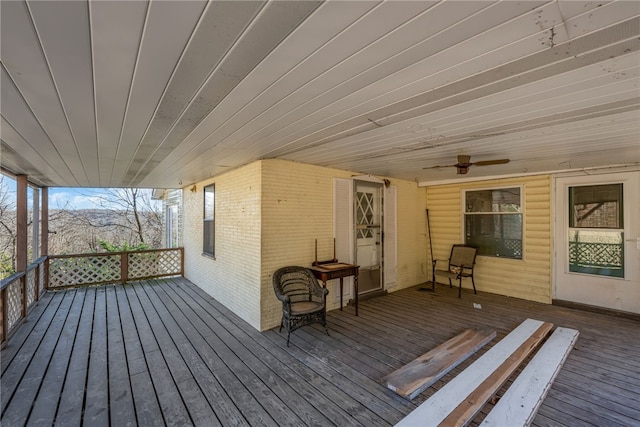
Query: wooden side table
x: 338, y: 270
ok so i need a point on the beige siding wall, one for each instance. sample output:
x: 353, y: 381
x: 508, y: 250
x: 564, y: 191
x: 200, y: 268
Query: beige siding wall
x: 233, y: 277
x: 529, y: 278
x: 414, y: 265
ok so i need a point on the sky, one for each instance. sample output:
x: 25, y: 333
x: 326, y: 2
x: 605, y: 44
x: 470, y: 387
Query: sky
x: 63, y: 197
x: 75, y: 198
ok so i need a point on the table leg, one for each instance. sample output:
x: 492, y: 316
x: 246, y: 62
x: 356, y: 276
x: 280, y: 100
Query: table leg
x: 355, y: 285
x: 341, y: 294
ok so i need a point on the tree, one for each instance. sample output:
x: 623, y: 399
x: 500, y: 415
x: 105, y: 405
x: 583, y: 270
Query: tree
x: 7, y: 229
x: 133, y: 218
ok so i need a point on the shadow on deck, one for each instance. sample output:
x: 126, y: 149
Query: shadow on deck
x: 163, y: 352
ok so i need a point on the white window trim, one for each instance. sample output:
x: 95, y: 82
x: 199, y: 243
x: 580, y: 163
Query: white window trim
x: 523, y: 213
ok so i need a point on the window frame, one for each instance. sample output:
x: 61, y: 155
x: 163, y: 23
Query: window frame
x: 521, y: 214
x: 208, y: 221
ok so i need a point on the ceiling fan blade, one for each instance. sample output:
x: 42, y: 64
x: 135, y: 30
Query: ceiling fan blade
x: 439, y: 167
x: 491, y: 162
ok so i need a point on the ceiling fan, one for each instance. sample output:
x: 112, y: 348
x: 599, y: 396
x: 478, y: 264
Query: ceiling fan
x: 464, y: 163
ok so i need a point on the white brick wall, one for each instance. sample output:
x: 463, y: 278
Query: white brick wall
x: 233, y: 277
x: 268, y: 215
x: 297, y: 208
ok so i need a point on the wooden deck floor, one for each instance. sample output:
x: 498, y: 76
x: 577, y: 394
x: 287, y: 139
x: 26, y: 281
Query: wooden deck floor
x: 162, y: 352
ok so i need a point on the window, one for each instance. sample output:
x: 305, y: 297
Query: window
x: 596, y: 230
x: 209, y: 230
x: 493, y: 222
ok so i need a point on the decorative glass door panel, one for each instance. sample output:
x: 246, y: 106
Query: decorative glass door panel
x: 364, y: 215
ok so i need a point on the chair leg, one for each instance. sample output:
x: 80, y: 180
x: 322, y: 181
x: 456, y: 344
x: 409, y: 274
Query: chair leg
x: 459, y: 287
x: 281, y: 323
x: 450, y: 284
x: 288, y: 331
x: 474, y: 285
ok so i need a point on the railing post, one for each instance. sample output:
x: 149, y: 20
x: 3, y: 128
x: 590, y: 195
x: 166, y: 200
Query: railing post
x: 5, y: 316
x: 36, y: 284
x: 46, y: 274
x: 182, y: 261
x: 23, y: 292
x: 124, y: 267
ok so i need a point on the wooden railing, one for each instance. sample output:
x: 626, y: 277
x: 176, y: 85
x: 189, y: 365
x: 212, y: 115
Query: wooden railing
x: 20, y: 291
x: 18, y: 294
x: 113, y: 267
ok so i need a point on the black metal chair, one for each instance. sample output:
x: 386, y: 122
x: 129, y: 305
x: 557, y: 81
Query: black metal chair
x: 304, y: 301
x: 460, y: 264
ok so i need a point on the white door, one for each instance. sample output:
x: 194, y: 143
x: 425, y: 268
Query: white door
x: 368, y: 222
x: 597, y: 240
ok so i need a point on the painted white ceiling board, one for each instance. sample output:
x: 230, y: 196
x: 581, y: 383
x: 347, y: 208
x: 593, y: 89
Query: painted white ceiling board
x: 355, y: 73
x: 442, y: 76
x: 33, y: 107
x: 63, y: 31
x: 305, y: 68
x: 115, y: 37
x: 16, y: 151
x: 159, y: 55
x: 276, y: 21
x: 19, y: 116
x: 454, y: 13
x: 247, y: 93
x: 221, y: 22
x: 188, y: 90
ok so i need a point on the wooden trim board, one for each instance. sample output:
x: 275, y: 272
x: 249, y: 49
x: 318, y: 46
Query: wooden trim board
x: 414, y: 377
x: 519, y: 405
x: 464, y: 394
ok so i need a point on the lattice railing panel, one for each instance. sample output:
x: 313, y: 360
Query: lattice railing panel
x: 84, y: 270
x: 14, y: 303
x: 151, y: 264
x: 31, y: 286
x: 596, y: 254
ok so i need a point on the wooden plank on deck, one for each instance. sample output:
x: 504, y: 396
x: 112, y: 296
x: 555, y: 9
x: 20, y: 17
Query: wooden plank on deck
x: 20, y: 386
x: 414, y: 377
x: 174, y: 409
x: 72, y: 397
x: 461, y: 398
x: 46, y: 404
x: 121, y: 407
x: 518, y: 406
x: 147, y: 408
x: 96, y: 407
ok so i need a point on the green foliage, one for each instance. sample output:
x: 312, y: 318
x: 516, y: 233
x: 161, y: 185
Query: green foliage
x: 6, y: 265
x: 125, y: 247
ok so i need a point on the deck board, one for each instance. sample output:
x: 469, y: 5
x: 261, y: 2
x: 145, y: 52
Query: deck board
x: 70, y: 403
x: 162, y: 352
x: 96, y: 398
x: 46, y: 401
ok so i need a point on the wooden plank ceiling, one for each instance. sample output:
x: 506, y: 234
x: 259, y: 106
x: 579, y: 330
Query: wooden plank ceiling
x: 167, y: 93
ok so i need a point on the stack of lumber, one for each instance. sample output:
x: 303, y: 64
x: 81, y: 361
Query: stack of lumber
x: 459, y: 401
x: 413, y: 378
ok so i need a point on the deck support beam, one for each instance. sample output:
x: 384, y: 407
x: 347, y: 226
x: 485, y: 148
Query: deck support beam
x: 21, y: 224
